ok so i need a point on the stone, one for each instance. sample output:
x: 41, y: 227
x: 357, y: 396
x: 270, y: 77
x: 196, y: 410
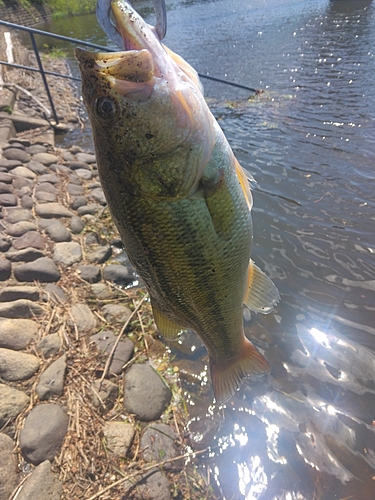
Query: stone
x: 5, y: 243
x: 104, y: 394
x: 86, y: 157
x: 30, y: 239
x: 12, y: 402
x: 118, y: 274
x: 21, y: 308
x: 44, y: 197
x: 20, y: 228
x: 76, y: 165
x: 82, y: 318
x: 101, y: 254
x: 77, y: 225
x: 91, y: 274
x: 27, y: 201
x: 117, y: 312
x: 98, y: 195
x: 15, y: 215
x: 51, y: 382
x: 158, y: 443
x: 46, y: 187
x: 16, y: 366
x: 41, y: 484
x: 43, y: 434
x: 36, y: 148
x: 92, y: 209
x: 45, y: 158
x: 8, y: 467
x: 101, y: 291
x: 52, y: 210
x: 24, y: 172
x: 67, y: 253
x: 58, y: 232
x: 16, y: 154
x: 5, y: 188
x: 10, y: 293
x: 5, y: 270
x: 51, y: 178
x: 153, y: 485
x: 105, y: 341
x: 91, y: 239
x: 9, y: 164
x: 17, y: 334
x: 145, y: 393
x: 77, y: 201
x: 8, y: 200
x: 55, y: 293
x: 43, y: 269
x: 75, y: 190
x: 49, y: 345
x: 22, y: 183
x: 84, y: 174
x: 24, y: 255
x: 37, y: 167
x: 6, y: 178
x: 119, y: 437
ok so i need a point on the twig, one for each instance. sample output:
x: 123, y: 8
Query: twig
x: 110, y: 357
x: 46, y: 110
x: 146, y: 469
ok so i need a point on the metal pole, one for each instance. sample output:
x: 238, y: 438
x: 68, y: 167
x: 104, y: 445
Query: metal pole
x: 39, y: 61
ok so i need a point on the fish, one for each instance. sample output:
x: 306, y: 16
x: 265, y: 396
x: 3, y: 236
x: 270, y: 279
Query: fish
x: 178, y: 196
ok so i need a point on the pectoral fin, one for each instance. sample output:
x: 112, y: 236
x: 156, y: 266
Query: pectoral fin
x: 167, y: 328
x: 262, y: 295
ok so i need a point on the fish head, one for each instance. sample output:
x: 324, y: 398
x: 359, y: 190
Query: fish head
x: 147, y: 111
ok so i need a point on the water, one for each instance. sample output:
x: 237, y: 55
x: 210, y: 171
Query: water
x: 306, y: 431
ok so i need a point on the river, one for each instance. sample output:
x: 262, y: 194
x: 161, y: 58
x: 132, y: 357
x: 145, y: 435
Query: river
x: 306, y: 431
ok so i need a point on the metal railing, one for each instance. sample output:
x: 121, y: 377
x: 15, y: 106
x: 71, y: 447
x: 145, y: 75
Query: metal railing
x: 43, y: 72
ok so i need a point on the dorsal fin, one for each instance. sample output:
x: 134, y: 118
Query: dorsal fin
x: 244, y: 178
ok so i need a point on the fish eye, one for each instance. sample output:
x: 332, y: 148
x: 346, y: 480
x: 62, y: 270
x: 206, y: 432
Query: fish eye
x: 105, y: 107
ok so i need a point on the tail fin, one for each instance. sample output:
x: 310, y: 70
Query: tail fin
x: 226, y: 377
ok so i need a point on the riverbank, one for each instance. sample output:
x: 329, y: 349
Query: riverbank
x: 90, y: 404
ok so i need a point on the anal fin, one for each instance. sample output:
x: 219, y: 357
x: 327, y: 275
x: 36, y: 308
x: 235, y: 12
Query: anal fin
x: 262, y: 294
x: 167, y: 328
x: 226, y: 376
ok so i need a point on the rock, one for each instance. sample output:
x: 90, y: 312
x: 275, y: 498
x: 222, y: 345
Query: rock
x: 20, y: 228
x: 36, y: 148
x: 27, y: 201
x: 75, y: 190
x: 30, y: 239
x: 52, y: 210
x: 46, y: 187
x: 100, y: 255
x: 5, y: 188
x: 49, y: 345
x: 55, y: 293
x: 117, y: 312
x: 43, y: 433
x: 51, y: 178
x: 45, y: 158
x: 24, y: 255
x: 104, y: 394
x: 10, y: 293
x: 6, y: 178
x: 91, y: 274
x: 44, y: 197
x: 41, y: 484
x: 118, y: 274
x: 92, y: 209
x: 86, y: 157
x: 76, y: 225
x: 76, y: 165
x: 16, y: 366
x: 43, y: 269
x: 12, y: 402
x: 98, y: 195
x: 8, y: 466
x: 84, y: 174
x: 37, y: 167
x: 5, y: 243
x: 16, y: 154
x: 9, y: 164
x: 153, y: 485
x: 145, y: 393
x: 5, y: 270
x: 51, y: 382
x: 58, y: 232
x: 119, y: 436
x: 21, y: 308
x: 8, y: 200
x: 83, y: 318
x: 78, y: 201
x: 17, y: 334
x: 101, y: 291
x: 15, y: 215
x: 158, y: 443
x: 24, y: 172
x: 105, y: 341
x: 23, y: 184
x: 67, y: 253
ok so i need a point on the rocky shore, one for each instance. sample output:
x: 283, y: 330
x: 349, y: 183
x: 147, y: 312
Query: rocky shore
x: 90, y: 405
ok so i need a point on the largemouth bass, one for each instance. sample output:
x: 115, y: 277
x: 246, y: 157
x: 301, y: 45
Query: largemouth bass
x: 178, y: 196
